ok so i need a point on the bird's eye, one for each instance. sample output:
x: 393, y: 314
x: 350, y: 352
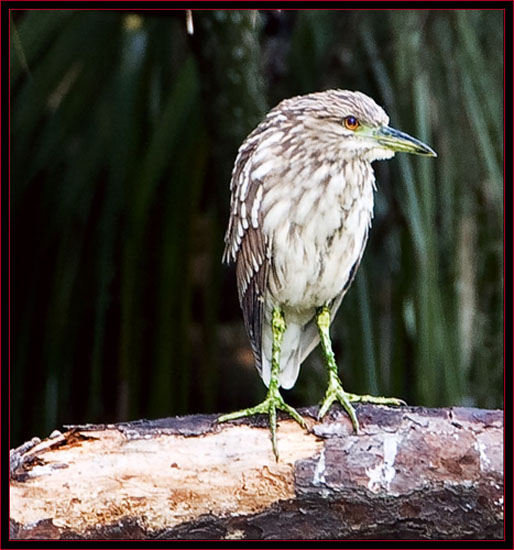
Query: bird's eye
x: 351, y: 123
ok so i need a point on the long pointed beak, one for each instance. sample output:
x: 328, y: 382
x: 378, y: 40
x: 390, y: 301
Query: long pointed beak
x: 399, y: 141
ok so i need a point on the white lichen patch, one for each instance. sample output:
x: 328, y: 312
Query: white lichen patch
x: 485, y: 463
x: 319, y: 472
x: 382, y: 475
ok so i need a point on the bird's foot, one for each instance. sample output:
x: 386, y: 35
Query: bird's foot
x: 335, y: 392
x: 269, y: 406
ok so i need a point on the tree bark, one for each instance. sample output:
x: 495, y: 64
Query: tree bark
x: 412, y: 473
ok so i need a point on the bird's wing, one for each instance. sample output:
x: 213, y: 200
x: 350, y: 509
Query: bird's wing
x: 246, y: 245
x: 251, y: 290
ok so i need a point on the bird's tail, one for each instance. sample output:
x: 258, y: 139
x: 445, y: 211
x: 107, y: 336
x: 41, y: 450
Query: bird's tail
x: 290, y: 355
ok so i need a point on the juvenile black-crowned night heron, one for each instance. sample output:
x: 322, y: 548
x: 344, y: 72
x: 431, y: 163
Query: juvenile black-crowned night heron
x: 301, y: 207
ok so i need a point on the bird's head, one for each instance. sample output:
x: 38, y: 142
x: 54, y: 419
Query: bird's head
x: 352, y: 124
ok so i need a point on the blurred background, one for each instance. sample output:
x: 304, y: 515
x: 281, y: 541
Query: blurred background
x: 124, y: 129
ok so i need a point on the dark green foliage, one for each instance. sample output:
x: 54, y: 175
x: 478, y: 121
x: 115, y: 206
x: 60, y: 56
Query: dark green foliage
x: 124, y: 130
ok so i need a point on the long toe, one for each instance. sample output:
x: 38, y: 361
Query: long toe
x: 376, y: 400
x: 269, y: 407
x: 293, y: 414
x: 335, y: 392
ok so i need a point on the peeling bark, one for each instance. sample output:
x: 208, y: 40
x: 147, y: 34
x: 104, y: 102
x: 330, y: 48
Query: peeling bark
x: 412, y: 473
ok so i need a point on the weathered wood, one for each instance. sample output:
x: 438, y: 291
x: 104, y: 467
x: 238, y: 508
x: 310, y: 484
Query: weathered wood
x: 412, y: 473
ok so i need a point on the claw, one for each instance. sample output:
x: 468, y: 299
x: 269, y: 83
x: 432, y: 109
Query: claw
x: 273, y: 399
x: 269, y: 406
x: 335, y: 391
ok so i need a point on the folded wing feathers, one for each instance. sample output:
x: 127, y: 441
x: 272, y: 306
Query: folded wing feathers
x: 245, y: 244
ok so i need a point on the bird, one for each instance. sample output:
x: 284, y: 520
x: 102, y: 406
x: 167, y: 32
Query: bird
x: 301, y: 207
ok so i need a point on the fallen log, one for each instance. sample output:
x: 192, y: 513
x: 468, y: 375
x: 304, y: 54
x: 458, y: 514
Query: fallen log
x: 412, y: 473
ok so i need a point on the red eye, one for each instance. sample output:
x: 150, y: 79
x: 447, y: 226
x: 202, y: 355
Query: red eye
x: 351, y: 123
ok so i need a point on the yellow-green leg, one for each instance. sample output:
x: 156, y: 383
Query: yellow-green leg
x: 335, y: 391
x: 273, y: 400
